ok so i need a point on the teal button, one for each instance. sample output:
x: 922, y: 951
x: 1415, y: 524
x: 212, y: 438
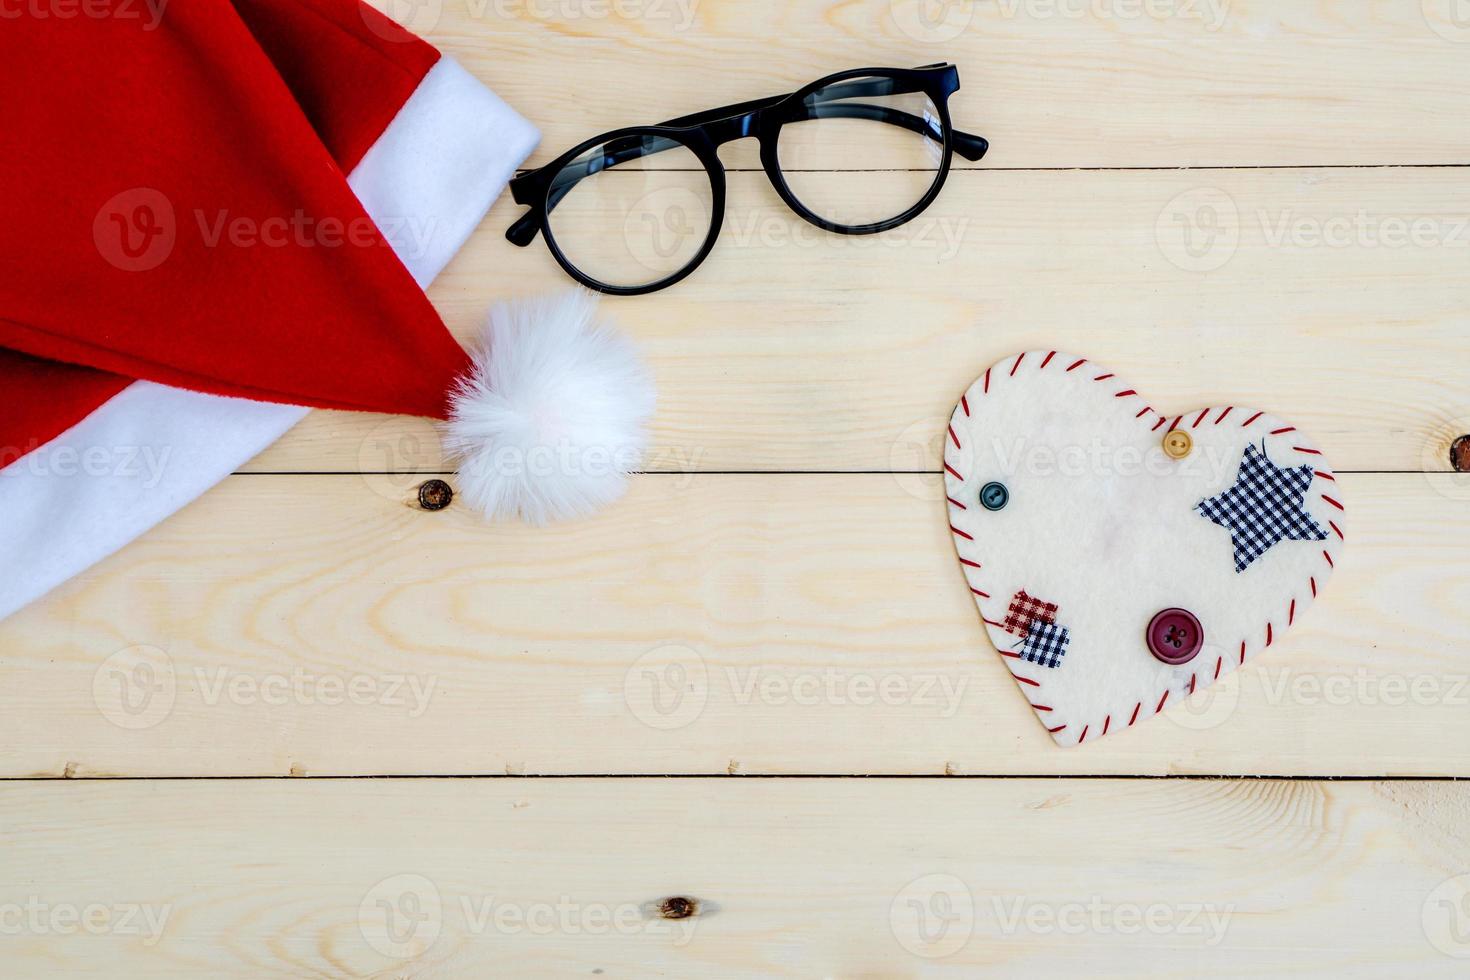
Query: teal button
x: 994, y: 496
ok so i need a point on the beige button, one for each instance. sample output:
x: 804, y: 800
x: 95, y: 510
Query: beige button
x: 1177, y: 444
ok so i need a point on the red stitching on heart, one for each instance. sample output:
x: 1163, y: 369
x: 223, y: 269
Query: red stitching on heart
x: 1224, y: 413
x: 955, y: 438
x: 1336, y: 530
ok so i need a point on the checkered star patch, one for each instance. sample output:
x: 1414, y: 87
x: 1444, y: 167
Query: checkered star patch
x: 1263, y: 507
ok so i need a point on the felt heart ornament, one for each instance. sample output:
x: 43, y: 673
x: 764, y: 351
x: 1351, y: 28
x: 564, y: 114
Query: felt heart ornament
x: 1123, y: 559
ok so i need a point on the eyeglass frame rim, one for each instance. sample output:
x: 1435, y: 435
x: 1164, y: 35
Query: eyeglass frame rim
x: 758, y: 118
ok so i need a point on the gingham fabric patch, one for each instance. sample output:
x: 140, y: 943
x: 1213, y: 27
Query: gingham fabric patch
x: 1045, y: 644
x: 1067, y: 491
x: 1026, y: 609
x: 1264, y: 507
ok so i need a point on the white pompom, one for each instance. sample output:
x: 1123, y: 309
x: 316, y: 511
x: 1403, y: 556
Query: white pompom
x: 552, y: 418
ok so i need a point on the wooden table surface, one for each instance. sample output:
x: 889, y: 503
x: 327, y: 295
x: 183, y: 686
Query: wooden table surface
x: 326, y: 766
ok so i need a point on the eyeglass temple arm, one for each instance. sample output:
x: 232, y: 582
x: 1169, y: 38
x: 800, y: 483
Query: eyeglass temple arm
x: 967, y: 145
x: 523, y: 231
x: 623, y: 150
x: 629, y: 148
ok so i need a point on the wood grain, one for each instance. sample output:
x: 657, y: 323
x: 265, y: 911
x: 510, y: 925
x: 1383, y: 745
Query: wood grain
x: 1102, y: 83
x: 800, y: 878
x: 1312, y: 262
x: 1300, y: 291
x: 707, y: 624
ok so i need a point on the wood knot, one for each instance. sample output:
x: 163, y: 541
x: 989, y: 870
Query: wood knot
x: 678, y: 907
x: 1460, y: 454
x: 435, y: 495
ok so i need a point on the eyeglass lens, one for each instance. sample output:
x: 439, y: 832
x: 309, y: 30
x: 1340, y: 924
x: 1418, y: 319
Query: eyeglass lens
x: 632, y: 211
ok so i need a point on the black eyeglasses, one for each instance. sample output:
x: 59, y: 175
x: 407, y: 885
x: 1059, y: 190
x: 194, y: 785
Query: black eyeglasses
x: 858, y: 152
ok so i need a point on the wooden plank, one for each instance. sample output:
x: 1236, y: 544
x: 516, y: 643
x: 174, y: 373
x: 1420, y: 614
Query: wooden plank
x: 439, y: 878
x: 1055, y: 83
x: 1333, y: 297
x: 752, y: 624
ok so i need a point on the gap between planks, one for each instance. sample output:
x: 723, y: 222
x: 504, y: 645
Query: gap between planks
x: 1180, y: 776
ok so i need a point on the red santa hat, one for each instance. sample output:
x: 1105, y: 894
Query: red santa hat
x: 223, y: 212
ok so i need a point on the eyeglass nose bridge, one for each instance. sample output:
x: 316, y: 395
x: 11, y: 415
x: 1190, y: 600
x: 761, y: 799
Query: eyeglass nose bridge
x: 724, y: 131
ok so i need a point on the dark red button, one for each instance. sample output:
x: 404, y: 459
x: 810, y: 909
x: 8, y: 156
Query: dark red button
x: 1175, y: 636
